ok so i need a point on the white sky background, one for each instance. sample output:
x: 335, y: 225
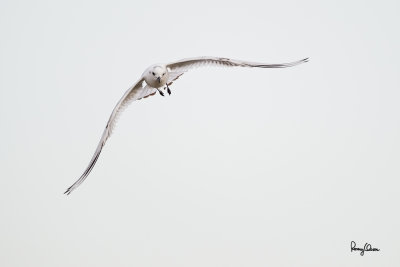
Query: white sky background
x: 238, y: 167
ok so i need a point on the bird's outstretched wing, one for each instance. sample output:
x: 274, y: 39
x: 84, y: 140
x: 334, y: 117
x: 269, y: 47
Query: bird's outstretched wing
x: 174, y: 75
x: 181, y: 66
x: 136, y: 92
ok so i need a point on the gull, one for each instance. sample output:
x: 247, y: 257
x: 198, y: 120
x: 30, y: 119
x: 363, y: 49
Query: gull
x: 159, y: 76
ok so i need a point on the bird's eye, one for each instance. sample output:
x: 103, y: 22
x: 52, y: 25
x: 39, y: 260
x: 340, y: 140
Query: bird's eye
x: 153, y: 73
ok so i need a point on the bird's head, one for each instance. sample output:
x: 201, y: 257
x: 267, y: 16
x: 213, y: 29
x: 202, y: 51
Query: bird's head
x: 156, y: 76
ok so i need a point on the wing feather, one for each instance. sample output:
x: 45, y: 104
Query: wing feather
x: 173, y: 75
x: 189, y: 63
x: 178, y: 68
x: 135, y: 92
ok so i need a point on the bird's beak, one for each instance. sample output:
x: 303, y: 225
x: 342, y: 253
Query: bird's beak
x: 159, y: 79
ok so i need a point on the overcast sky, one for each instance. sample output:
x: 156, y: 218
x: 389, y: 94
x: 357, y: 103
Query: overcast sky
x: 238, y: 167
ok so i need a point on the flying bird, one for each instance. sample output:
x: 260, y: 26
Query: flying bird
x: 159, y: 76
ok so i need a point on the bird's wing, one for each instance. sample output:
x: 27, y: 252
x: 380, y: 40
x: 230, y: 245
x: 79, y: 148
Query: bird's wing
x: 184, y: 65
x: 173, y: 75
x: 136, y: 92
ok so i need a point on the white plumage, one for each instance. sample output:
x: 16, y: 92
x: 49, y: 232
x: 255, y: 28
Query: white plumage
x: 158, y: 76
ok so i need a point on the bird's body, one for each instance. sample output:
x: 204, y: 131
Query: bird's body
x: 161, y: 76
x: 156, y: 71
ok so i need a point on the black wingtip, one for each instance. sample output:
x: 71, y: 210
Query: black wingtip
x: 68, y: 191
